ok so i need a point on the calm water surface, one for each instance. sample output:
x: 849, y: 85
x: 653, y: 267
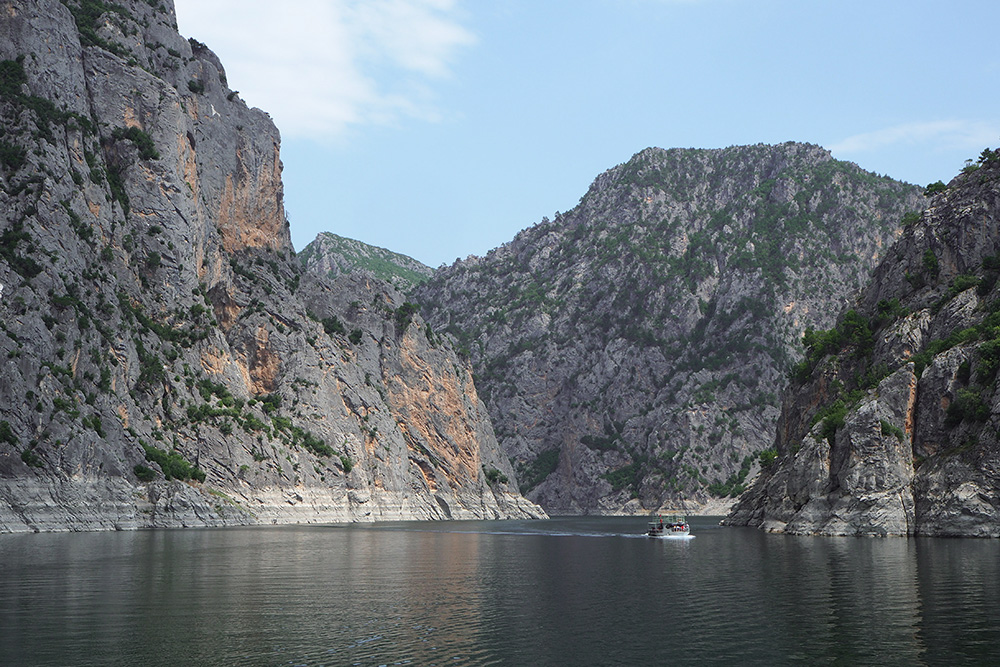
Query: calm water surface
x: 574, y: 591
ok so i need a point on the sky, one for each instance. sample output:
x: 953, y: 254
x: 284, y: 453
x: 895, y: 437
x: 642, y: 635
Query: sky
x: 441, y: 128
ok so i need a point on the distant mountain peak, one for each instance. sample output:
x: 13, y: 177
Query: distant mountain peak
x: 332, y: 255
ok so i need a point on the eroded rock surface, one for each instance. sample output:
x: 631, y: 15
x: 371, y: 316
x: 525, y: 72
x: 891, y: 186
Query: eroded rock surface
x: 633, y: 350
x: 891, y: 427
x: 156, y: 328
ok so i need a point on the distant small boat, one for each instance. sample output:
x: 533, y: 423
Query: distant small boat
x: 675, y: 525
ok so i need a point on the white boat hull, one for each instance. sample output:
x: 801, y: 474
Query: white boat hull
x: 676, y: 527
x: 674, y: 536
x: 667, y: 534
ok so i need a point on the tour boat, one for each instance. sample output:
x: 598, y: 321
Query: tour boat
x: 675, y: 525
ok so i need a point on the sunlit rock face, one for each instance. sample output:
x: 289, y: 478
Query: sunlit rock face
x: 166, y: 360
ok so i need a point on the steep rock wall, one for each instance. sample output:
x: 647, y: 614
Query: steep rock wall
x: 165, y: 360
x: 891, y: 425
x: 632, y: 351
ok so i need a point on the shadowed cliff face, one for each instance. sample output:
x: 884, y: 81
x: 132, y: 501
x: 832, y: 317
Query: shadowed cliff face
x: 891, y: 425
x: 632, y: 351
x: 165, y: 359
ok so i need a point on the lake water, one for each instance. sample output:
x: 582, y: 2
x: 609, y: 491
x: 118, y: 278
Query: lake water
x: 573, y: 591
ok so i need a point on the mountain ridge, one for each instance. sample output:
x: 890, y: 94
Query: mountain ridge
x: 583, y: 329
x: 333, y: 255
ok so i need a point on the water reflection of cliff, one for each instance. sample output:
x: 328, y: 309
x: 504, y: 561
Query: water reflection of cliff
x: 860, y: 598
x: 477, y: 594
x: 959, y: 584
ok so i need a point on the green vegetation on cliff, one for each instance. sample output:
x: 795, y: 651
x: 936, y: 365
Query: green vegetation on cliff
x: 897, y: 402
x: 333, y: 255
x: 670, y: 303
x: 163, y: 347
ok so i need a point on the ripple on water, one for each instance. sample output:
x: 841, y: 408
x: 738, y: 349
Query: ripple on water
x: 583, y: 592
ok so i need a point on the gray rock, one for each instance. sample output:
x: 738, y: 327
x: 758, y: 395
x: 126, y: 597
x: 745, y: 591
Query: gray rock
x: 155, y: 323
x: 331, y: 255
x: 632, y: 351
x: 932, y: 310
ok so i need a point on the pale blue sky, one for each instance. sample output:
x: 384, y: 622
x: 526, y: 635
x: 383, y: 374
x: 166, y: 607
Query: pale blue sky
x: 441, y: 128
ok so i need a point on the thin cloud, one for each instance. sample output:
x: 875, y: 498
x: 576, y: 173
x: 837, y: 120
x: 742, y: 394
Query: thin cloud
x: 951, y: 134
x: 414, y: 35
x: 321, y: 66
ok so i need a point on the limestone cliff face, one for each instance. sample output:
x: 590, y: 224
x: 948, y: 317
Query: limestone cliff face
x: 632, y: 350
x: 891, y: 425
x: 165, y: 359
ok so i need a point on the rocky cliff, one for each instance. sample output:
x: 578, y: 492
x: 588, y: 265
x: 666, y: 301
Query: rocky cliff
x: 631, y: 352
x: 891, y: 425
x: 165, y: 359
x: 332, y: 255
